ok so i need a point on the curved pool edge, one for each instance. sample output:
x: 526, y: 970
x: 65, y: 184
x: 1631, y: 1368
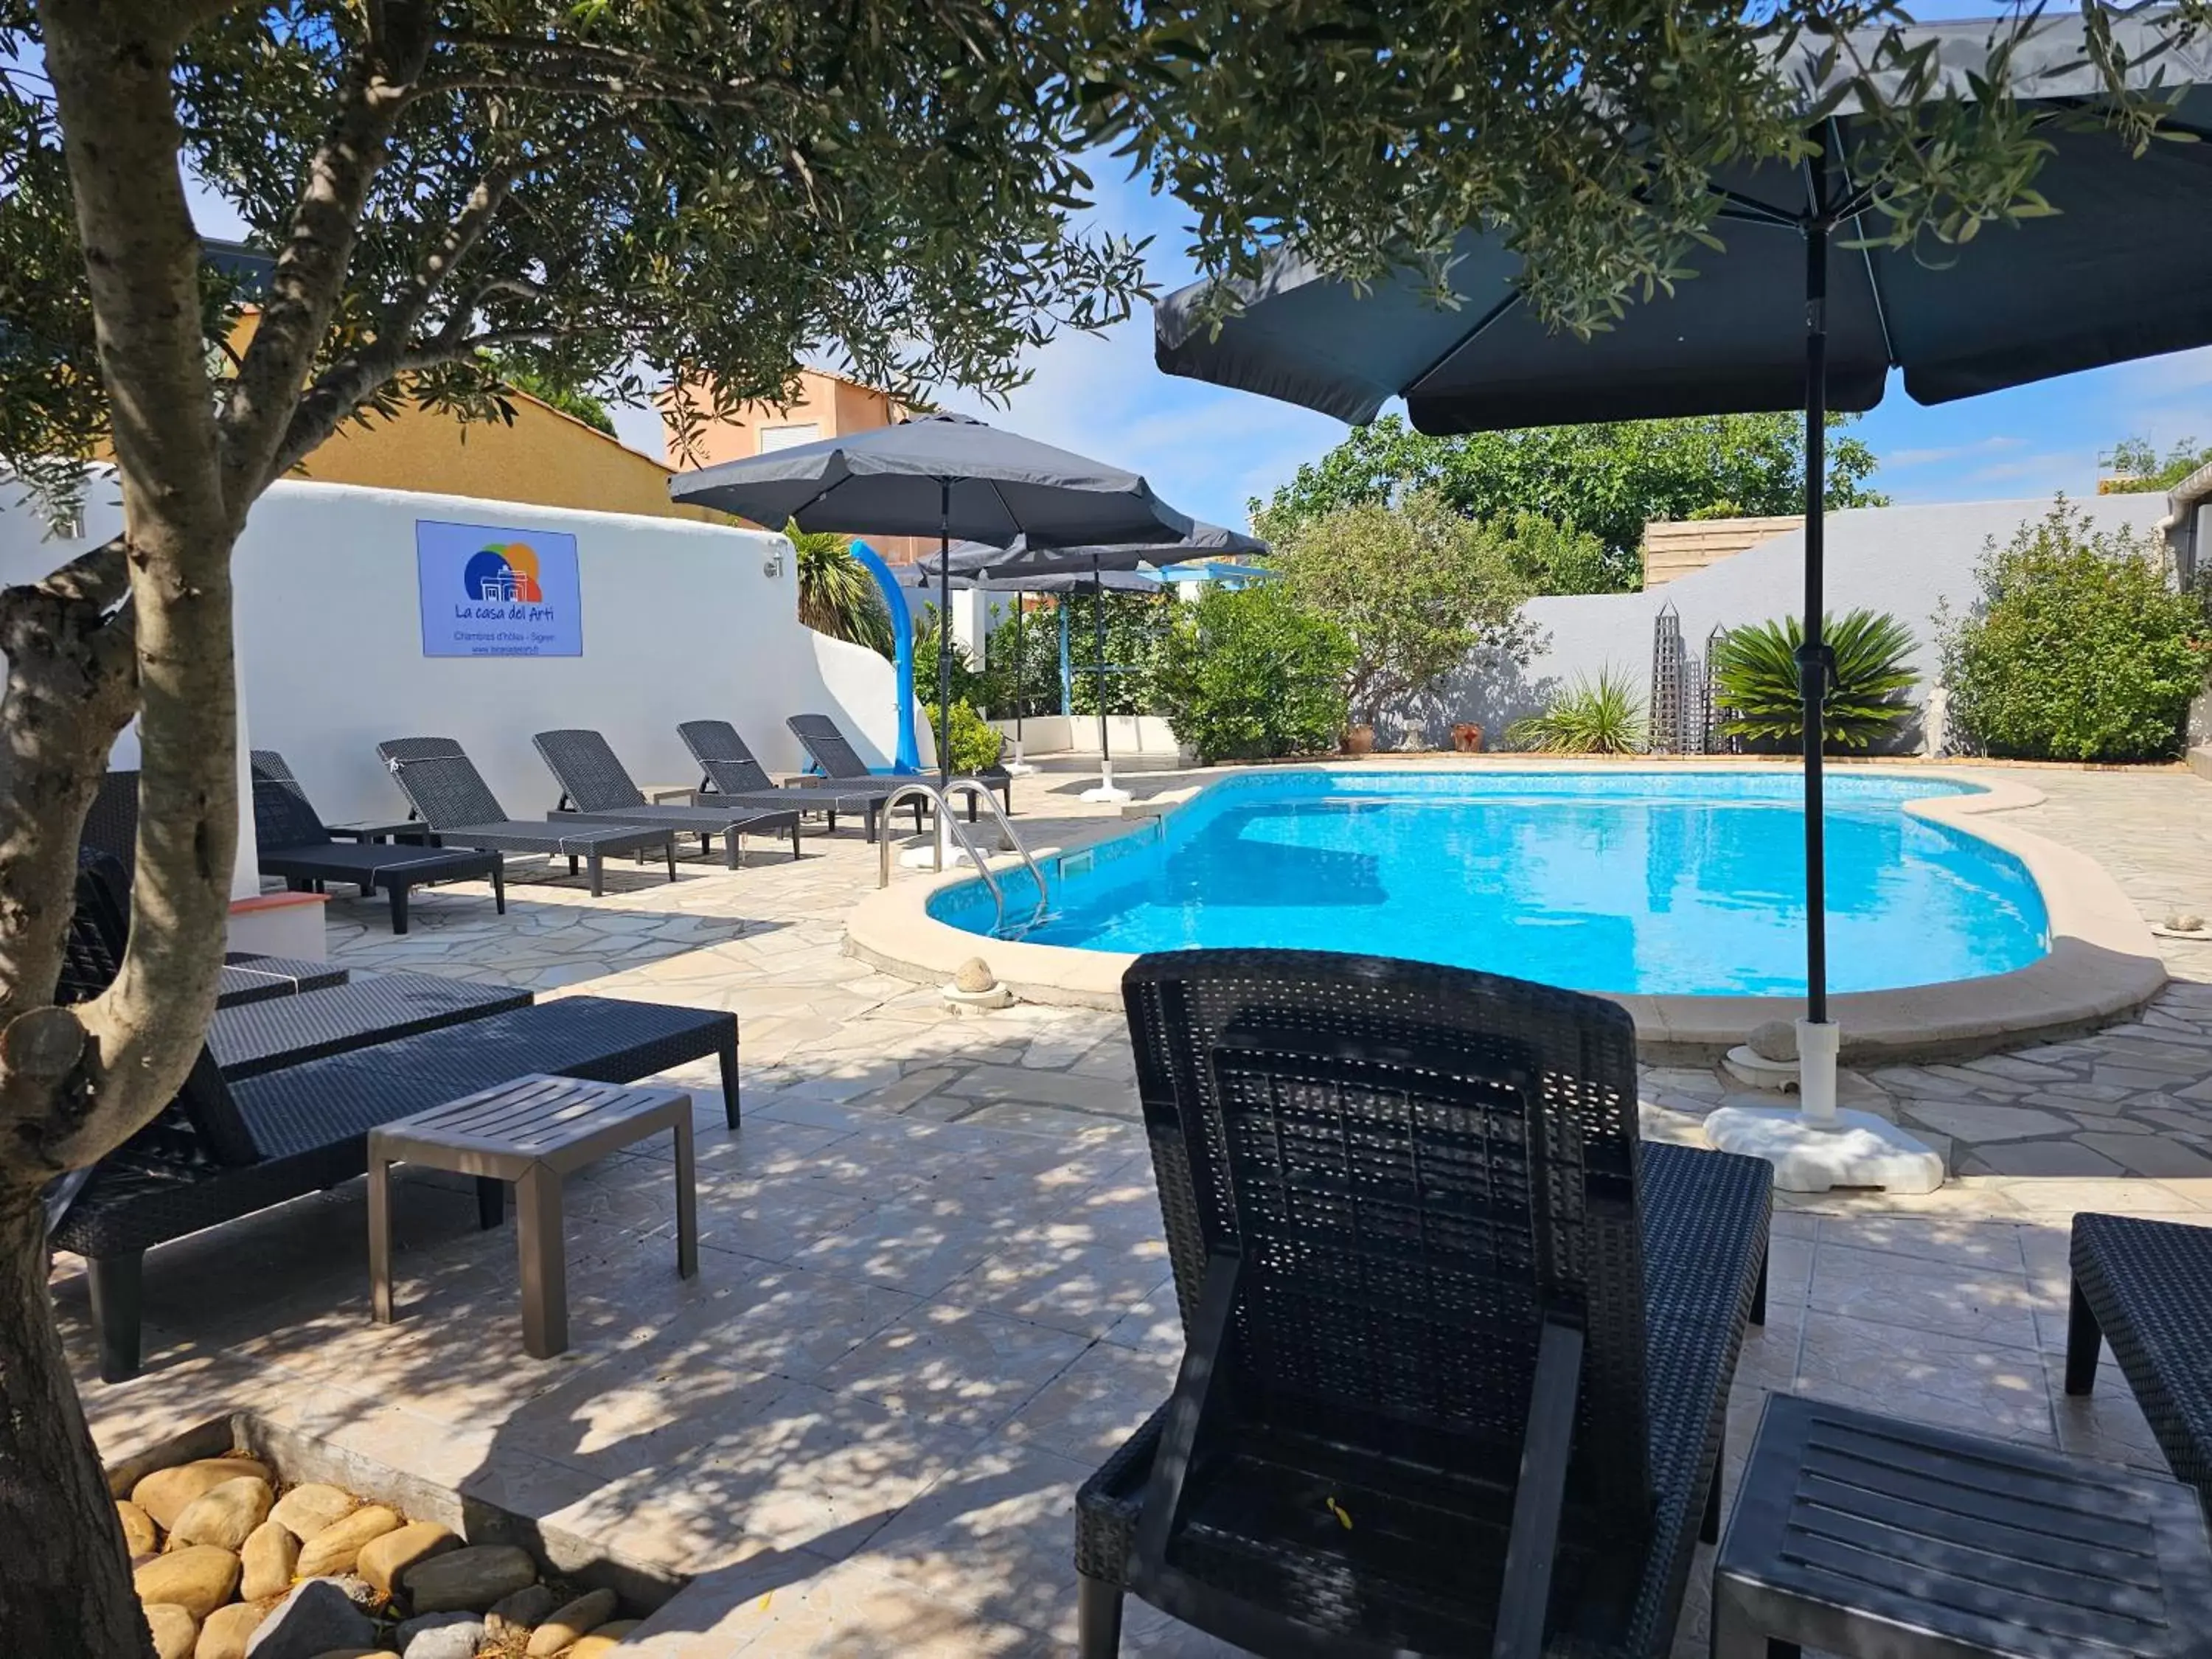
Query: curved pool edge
x: 2102, y: 965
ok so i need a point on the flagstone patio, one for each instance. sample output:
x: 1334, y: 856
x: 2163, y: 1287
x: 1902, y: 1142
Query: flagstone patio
x: 933, y: 1293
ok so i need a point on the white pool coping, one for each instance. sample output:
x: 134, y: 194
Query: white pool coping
x: 2103, y: 964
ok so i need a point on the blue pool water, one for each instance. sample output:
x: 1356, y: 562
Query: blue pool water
x: 1674, y: 881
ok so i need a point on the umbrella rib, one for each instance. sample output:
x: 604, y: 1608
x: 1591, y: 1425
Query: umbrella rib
x: 1755, y: 212
x: 1463, y: 341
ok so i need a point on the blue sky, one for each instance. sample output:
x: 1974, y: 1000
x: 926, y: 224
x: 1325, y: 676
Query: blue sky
x: 1209, y: 450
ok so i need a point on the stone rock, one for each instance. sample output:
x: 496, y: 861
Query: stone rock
x: 2185, y: 921
x: 270, y: 1556
x: 199, y: 1578
x: 306, y: 1511
x: 226, y: 1632
x: 174, y: 1630
x: 573, y: 1622
x: 439, y: 1636
x: 973, y: 975
x: 316, y: 1618
x: 513, y: 1618
x: 1776, y: 1039
x: 383, y: 1560
x: 224, y: 1514
x: 336, y: 1546
x: 468, y: 1580
x: 164, y: 1493
x: 605, y: 1639
x: 139, y: 1535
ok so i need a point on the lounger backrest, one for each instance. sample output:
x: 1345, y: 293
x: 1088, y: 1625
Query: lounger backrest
x: 112, y: 825
x: 282, y: 815
x: 723, y: 756
x: 826, y: 744
x: 585, y: 767
x: 1416, y: 1165
x: 203, y: 1123
x: 441, y: 782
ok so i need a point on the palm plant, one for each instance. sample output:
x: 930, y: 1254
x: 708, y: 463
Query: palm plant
x: 837, y: 594
x: 1755, y: 680
x: 1604, y: 716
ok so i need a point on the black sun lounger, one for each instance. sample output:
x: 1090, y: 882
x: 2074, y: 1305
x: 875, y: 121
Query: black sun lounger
x: 829, y: 749
x: 594, y: 785
x: 293, y: 844
x: 730, y: 773
x: 451, y: 796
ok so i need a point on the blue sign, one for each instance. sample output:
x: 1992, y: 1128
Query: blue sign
x: 487, y: 592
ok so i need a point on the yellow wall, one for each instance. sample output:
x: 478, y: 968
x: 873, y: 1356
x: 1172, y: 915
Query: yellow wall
x: 545, y: 458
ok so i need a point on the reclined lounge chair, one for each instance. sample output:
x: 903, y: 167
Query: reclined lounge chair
x: 293, y: 844
x: 594, y: 785
x: 829, y: 749
x: 1459, y: 1345
x: 729, y: 775
x: 451, y: 799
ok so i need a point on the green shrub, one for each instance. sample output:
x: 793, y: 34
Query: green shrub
x: 976, y: 743
x: 1755, y: 680
x: 1249, y: 675
x: 2075, y: 647
x: 1604, y: 716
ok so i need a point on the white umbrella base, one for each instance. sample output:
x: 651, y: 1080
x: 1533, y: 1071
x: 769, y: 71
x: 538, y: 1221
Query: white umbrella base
x: 1853, y: 1149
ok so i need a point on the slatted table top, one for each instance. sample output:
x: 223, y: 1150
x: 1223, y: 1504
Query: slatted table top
x: 560, y: 1121
x: 1953, y: 1543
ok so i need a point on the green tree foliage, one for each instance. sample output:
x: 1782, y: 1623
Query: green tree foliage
x: 1547, y: 555
x: 1603, y: 716
x: 1755, y: 671
x: 2139, y: 470
x: 1605, y: 480
x: 1417, y: 588
x: 2075, y: 646
x: 975, y: 744
x: 1251, y: 674
x: 837, y: 594
x: 569, y: 400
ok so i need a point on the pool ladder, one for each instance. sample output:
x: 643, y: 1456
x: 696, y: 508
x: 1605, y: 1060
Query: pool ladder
x: 949, y: 821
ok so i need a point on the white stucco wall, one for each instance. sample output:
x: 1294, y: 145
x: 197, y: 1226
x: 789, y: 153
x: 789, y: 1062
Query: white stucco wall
x: 681, y: 621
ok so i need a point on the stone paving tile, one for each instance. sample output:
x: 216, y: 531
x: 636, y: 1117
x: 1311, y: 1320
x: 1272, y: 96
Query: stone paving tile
x: 933, y: 1293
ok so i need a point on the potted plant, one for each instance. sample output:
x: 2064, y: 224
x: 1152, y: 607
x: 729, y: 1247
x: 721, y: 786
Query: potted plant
x: 1358, y: 739
x: 1467, y: 738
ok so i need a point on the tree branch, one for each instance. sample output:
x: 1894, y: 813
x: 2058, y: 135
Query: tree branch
x: 468, y: 228
x: 311, y: 270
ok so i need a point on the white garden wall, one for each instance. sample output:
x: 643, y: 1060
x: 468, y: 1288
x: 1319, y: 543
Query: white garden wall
x: 680, y: 620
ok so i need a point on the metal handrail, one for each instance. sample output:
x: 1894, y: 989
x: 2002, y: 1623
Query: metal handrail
x: 949, y: 824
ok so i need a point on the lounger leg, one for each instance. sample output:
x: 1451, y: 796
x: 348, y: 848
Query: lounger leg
x: 795, y: 840
x: 671, y: 858
x: 491, y: 1202
x: 572, y: 864
x: 380, y: 1239
x: 687, y: 1203
x: 729, y: 1059
x: 398, y: 890
x: 545, y: 1254
x: 1709, y: 1530
x: 118, y: 1286
x: 733, y: 848
x: 1098, y: 1619
x: 2084, y: 1336
x: 917, y: 815
x: 599, y: 875
x: 499, y: 888
x: 1759, y: 1292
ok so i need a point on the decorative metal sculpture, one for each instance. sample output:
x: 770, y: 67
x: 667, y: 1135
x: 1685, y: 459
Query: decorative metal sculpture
x: 1665, y: 716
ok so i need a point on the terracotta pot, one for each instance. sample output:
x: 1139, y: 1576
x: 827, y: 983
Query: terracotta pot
x: 1466, y: 738
x: 1358, y: 739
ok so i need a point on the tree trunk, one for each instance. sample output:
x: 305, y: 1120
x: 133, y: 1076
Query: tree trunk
x: 64, y: 1581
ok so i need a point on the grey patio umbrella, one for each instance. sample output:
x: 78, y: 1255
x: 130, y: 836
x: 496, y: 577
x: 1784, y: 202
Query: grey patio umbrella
x: 1026, y: 566
x: 1793, y: 313
x: 946, y: 473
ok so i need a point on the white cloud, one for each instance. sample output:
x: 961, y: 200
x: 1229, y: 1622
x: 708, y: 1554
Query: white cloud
x: 1950, y: 453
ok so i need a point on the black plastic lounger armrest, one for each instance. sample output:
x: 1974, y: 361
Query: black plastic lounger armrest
x: 1533, y: 1547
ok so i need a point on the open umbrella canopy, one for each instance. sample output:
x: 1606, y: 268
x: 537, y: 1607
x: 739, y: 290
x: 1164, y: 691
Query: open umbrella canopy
x: 941, y: 475
x: 973, y: 558
x: 1037, y: 581
x: 2102, y: 280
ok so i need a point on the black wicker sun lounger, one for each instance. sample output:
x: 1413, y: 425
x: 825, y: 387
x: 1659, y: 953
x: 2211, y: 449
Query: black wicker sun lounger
x: 450, y: 795
x: 594, y: 785
x: 729, y: 775
x: 2146, y: 1287
x: 829, y: 749
x: 293, y: 844
x: 1459, y: 1345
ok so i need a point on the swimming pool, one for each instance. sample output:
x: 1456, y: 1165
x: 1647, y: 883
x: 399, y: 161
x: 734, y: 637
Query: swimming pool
x: 1626, y: 881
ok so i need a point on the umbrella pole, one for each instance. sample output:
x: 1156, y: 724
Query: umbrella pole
x: 1105, y: 791
x: 944, y: 665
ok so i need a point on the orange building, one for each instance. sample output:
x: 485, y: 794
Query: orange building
x: 829, y: 405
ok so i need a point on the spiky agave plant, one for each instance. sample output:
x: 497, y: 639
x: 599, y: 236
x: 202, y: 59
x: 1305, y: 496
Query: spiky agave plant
x: 837, y: 594
x: 1604, y: 716
x: 1755, y: 680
